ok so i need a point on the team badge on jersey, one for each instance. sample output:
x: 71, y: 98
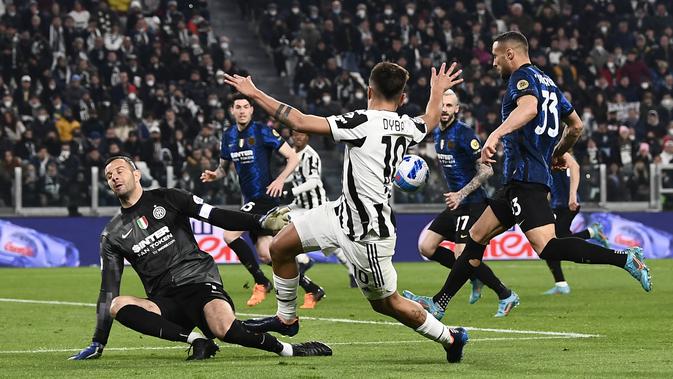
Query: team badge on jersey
x: 251, y: 140
x: 159, y: 212
x: 142, y: 222
x: 474, y: 144
x: 522, y: 84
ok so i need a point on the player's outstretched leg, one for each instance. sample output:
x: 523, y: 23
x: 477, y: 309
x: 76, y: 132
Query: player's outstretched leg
x: 285, y: 247
x: 412, y: 315
x: 580, y: 251
x: 561, y: 287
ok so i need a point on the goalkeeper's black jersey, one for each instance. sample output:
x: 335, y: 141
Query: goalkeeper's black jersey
x: 156, y: 238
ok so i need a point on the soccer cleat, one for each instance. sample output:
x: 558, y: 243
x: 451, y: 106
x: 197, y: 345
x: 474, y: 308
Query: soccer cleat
x: 598, y: 235
x: 353, y: 282
x: 93, y: 351
x: 427, y: 303
x: 454, y: 352
x: 259, y: 292
x: 506, y: 305
x: 558, y: 290
x: 311, y: 349
x: 312, y: 299
x: 202, y: 349
x: 272, y: 324
x: 475, y: 295
x: 635, y: 265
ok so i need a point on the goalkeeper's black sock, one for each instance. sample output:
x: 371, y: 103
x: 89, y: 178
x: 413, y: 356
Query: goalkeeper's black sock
x: 307, y: 284
x: 444, y: 256
x: 486, y: 275
x: 239, y: 335
x: 556, y: 270
x: 581, y: 251
x: 151, y: 324
x: 460, y: 273
x: 584, y: 234
x: 247, y: 258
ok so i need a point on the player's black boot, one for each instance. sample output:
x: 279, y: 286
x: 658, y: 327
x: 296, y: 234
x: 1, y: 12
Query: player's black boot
x: 271, y: 324
x: 311, y: 349
x: 202, y: 349
x: 454, y: 352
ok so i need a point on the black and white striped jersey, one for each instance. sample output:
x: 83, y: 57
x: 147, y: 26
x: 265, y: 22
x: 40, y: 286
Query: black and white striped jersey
x: 306, y: 180
x: 376, y: 141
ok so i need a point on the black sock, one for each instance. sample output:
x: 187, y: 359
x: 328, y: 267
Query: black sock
x: 307, y: 284
x: 581, y: 251
x: 584, y: 234
x: 444, y: 256
x: 247, y: 258
x: 151, y: 324
x: 239, y: 335
x: 556, y: 270
x: 460, y: 273
x: 486, y: 275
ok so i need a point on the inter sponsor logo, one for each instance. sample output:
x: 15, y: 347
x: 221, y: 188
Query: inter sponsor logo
x: 154, y: 240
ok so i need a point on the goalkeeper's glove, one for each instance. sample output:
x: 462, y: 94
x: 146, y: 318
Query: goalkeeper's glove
x: 275, y: 219
x: 93, y: 351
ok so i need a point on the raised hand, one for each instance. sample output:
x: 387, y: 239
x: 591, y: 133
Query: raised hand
x: 242, y: 84
x: 445, y: 79
x: 208, y: 176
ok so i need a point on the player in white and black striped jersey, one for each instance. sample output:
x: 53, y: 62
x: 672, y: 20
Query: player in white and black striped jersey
x: 307, y: 192
x: 361, y: 222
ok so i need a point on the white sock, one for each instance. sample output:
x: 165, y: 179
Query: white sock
x: 435, y: 330
x: 286, y: 297
x: 303, y: 258
x: 562, y: 284
x: 287, y: 349
x: 194, y: 336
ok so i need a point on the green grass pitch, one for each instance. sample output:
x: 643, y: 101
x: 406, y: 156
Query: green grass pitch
x: 607, y: 327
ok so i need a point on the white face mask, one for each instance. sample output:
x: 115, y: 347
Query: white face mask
x: 224, y: 45
x: 359, y: 95
x: 200, y: 118
x: 65, y: 154
x: 220, y: 80
x: 411, y: 11
x: 7, y: 103
x: 326, y: 99
x: 150, y: 83
x: 388, y: 11
x: 132, y: 96
x: 301, y: 51
x: 361, y: 13
x: 42, y: 117
x: 295, y: 10
x: 272, y: 12
x: 212, y: 102
x: 667, y: 103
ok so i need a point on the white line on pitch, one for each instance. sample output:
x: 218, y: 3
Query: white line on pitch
x: 74, y: 350
x: 341, y: 320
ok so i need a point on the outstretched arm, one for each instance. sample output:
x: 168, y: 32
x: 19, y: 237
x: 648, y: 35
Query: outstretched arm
x: 453, y: 199
x: 284, y: 113
x: 440, y: 81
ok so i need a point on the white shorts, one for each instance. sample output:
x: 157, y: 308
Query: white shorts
x: 371, y: 259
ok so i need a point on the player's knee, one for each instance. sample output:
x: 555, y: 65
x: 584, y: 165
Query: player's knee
x: 117, y: 304
x: 381, y: 306
x: 221, y: 328
x: 278, y: 250
x: 426, y: 248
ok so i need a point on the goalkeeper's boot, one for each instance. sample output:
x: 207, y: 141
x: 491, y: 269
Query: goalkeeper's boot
x: 310, y: 349
x: 506, y: 305
x: 558, y: 290
x: 427, y: 303
x: 598, y: 234
x: 202, y: 348
x: 635, y: 265
x: 454, y: 352
x: 272, y: 324
x: 475, y: 295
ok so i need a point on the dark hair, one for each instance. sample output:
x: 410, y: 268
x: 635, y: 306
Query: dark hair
x: 388, y: 80
x: 122, y: 157
x: 514, y: 37
x: 240, y: 96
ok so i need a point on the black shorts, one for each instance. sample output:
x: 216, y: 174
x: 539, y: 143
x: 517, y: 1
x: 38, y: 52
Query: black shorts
x: 259, y: 206
x: 526, y: 204
x: 564, y: 218
x: 454, y: 225
x: 184, y: 305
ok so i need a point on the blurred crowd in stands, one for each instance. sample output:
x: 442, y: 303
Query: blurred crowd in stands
x: 83, y: 80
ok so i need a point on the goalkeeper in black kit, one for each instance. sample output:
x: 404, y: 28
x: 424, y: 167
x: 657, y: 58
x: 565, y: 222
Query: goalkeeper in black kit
x: 183, y: 285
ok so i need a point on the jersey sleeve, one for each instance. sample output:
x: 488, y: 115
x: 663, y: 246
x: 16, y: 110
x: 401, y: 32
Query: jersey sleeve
x: 271, y: 138
x: 419, y: 130
x: 345, y: 127
x: 112, y: 267
x: 521, y: 83
x: 186, y: 203
x: 565, y: 108
x: 224, y: 148
x: 471, y: 144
